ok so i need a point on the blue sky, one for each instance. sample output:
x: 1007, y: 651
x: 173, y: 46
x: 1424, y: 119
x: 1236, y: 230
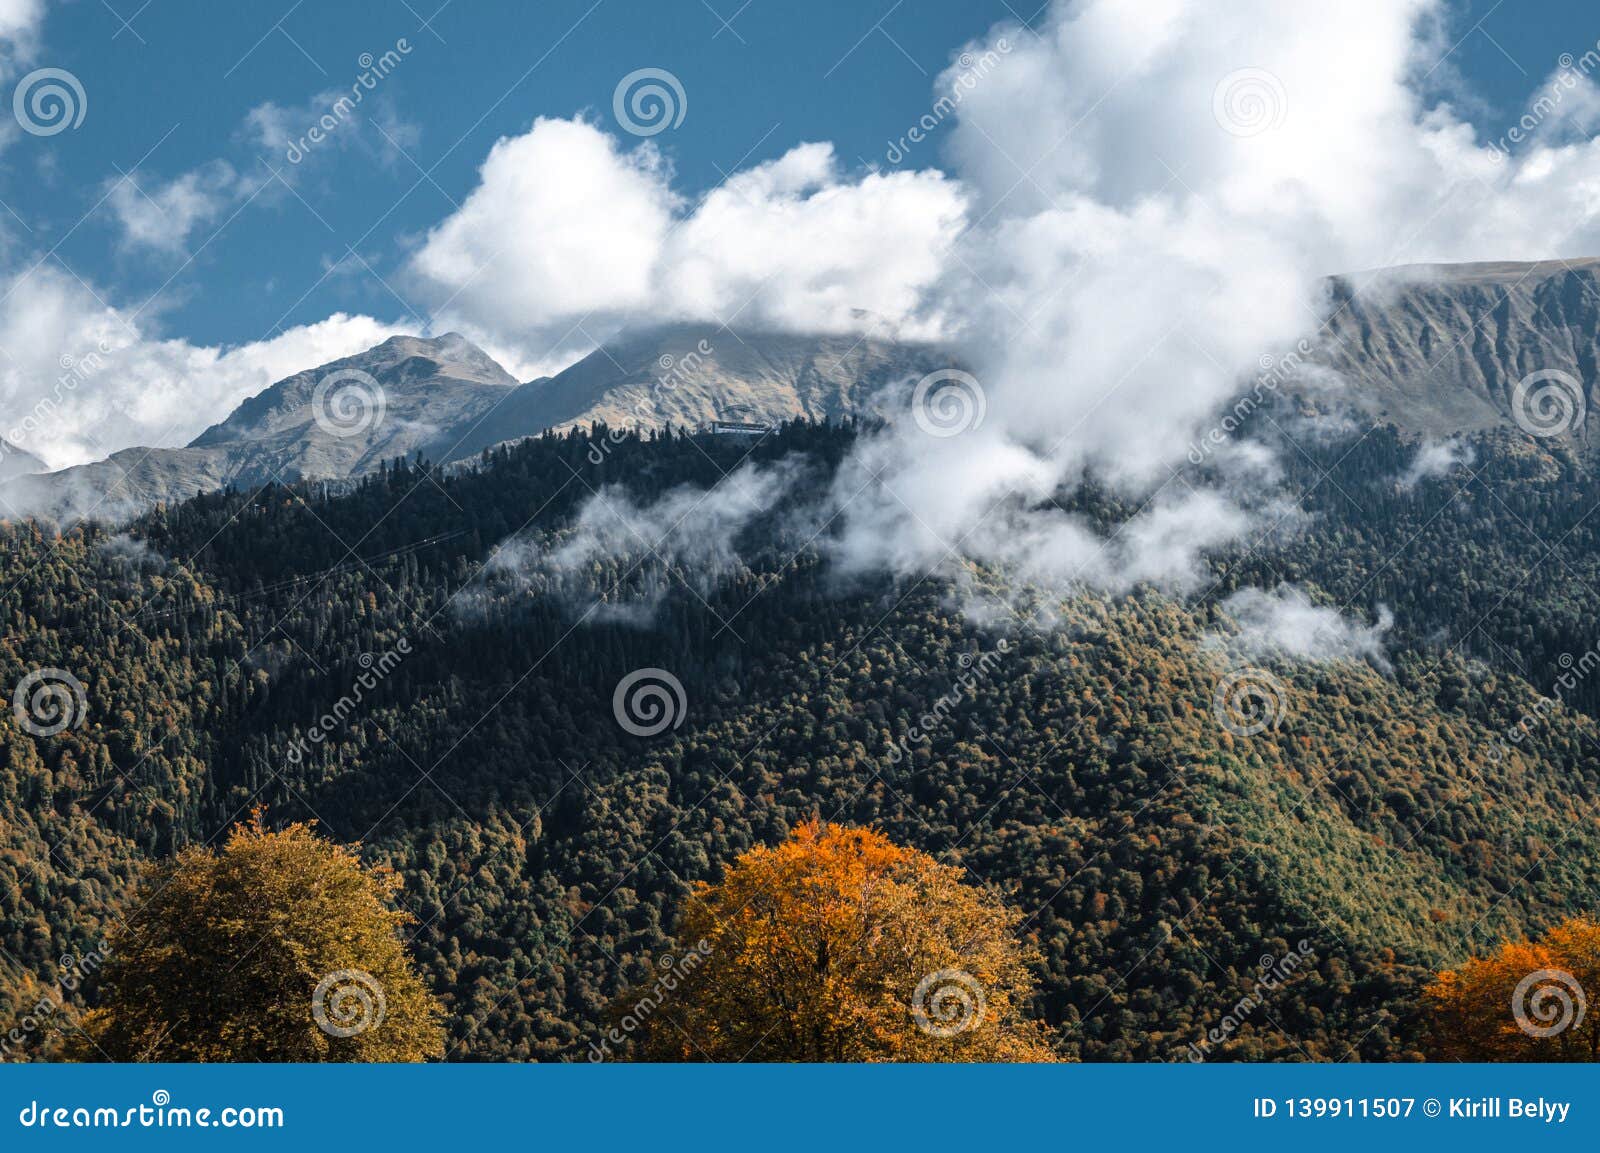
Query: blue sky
x: 172, y: 89
x: 189, y: 227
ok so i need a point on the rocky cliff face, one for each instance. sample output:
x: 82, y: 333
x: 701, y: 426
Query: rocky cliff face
x: 1439, y: 350
x: 686, y: 375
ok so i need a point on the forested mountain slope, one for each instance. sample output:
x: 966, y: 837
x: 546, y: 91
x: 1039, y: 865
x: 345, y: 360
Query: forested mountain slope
x: 227, y: 649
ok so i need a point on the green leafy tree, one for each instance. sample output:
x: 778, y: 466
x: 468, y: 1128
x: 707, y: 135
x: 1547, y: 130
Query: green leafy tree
x: 280, y: 947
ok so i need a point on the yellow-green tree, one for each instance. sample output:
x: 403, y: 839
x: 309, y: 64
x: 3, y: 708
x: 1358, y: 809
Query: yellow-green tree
x: 1527, y: 1002
x: 839, y: 945
x: 281, y: 946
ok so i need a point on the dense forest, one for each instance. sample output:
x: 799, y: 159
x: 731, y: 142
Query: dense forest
x: 403, y: 661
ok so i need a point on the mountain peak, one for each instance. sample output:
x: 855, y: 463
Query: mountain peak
x: 451, y: 353
x: 429, y: 381
x: 16, y: 461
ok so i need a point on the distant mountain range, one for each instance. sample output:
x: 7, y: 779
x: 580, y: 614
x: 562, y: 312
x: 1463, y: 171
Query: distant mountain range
x: 1435, y: 350
x: 448, y: 399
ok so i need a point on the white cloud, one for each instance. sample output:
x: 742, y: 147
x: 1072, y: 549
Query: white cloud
x: 568, y: 228
x: 286, y: 137
x: 686, y: 535
x: 563, y: 225
x: 19, y: 27
x: 791, y: 244
x: 79, y: 379
x: 1285, y: 623
x: 160, y: 216
x: 1435, y: 458
x: 1159, y: 190
x: 20, y: 23
x: 1152, y: 193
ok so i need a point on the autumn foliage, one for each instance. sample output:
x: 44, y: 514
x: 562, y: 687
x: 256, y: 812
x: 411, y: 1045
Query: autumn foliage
x: 282, y: 946
x: 1526, y: 1002
x: 839, y: 945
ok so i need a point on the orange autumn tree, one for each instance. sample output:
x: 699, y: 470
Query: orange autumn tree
x: 839, y: 945
x: 1527, y: 1002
